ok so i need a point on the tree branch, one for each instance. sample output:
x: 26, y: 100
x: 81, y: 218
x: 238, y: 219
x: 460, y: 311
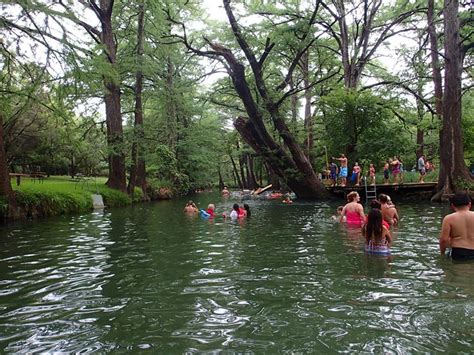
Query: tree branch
x: 406, y: 88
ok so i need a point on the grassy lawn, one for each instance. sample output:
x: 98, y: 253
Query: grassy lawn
x: 61, y: 194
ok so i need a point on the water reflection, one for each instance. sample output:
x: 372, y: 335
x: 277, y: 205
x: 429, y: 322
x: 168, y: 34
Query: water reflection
x: 456, y: 274
x: 150, y: 277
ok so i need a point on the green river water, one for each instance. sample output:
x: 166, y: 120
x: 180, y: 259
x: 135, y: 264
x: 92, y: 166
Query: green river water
x: 148, y: 278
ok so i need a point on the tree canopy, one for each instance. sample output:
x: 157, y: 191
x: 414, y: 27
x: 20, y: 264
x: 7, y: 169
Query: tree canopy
x: 158, y: 93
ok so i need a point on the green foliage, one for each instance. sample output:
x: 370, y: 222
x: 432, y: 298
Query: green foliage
x: 200, y: 150
x: 468, y: 127
x: 363, y: 122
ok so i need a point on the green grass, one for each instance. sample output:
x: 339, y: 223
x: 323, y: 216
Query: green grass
x: 61, y: 195
x: 410, y: 177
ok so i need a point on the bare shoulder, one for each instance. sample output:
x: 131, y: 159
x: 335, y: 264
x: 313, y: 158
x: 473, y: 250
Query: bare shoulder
x: 449, y: 218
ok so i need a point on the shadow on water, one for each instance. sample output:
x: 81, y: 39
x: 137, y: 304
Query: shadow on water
x: 288, y: 279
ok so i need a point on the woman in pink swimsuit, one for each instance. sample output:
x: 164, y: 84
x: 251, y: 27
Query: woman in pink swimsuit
x: 353, y: 210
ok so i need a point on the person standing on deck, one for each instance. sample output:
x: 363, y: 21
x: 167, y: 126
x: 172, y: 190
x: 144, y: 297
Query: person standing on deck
x: 457, y: 230
x: 333, y: 170
x: 355, y: 177
x: 343, y: 171
x: 421, y: 168
x: 402, y: 169
x: 372, y: 174
x: 395, y: 169
x: 386, y: 173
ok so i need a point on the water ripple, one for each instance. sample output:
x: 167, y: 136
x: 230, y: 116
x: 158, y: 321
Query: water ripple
x: 286, y: 280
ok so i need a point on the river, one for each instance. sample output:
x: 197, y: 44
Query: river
x: 150, y: 278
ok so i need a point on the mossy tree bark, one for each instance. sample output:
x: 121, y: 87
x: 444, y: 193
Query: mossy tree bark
x: 453, y: 169
x: 137, y: 168
x: 6, y: 190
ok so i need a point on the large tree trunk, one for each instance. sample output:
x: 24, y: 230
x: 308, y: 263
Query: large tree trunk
x: 294, y: 108
x: 6, y: 190
x: 435, y: 64
x: 293, y: 167
x: 305, y: 185
x: 251, y: 180
x: 221, y: 181
x: 420, y: 142
x: 238, y: 180
x: 242, y: 162
x: 171, y: 112
x: 452, y: 166
x: 308, y: 116
x: 137, y: 168
x: 117, y: 179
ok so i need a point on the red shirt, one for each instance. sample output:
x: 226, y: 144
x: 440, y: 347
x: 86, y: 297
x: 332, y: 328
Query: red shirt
x: 211, y: 213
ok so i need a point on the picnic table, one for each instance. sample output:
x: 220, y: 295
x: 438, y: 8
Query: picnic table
x: 37, y: 176
x: 18, y: 177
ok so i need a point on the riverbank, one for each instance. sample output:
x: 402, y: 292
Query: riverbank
x: 59, y: 195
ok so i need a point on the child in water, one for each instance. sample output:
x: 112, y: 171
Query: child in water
x: 247, y: 210
x: 210, y: 209
x: 337, y: 217
x: 238, y: 212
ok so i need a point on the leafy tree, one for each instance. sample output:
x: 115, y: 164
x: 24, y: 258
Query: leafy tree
x: 376, y: 135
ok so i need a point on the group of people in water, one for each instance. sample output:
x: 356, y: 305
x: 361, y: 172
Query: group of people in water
x: 237, y: 212
x: 375, y: 226
x: 457, y: 231
x: 392, y: 167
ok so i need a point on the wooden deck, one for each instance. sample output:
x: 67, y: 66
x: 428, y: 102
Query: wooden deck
x: 409, y: 190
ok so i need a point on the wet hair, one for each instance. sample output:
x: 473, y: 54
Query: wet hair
x: 375, y: 204
x: 459, y: 200
x: 235, y: 207
x: 352, y: 195
x: 383, y: 198
x: 374, y: 225
x: 247, y: 208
